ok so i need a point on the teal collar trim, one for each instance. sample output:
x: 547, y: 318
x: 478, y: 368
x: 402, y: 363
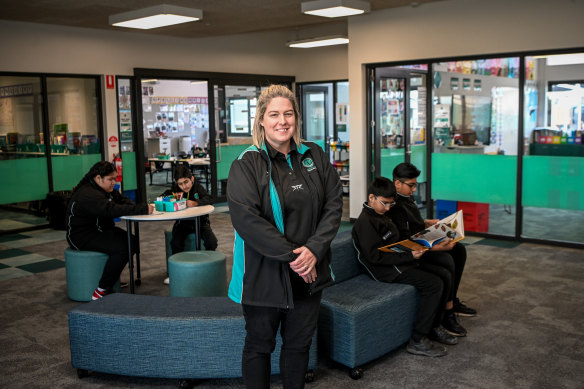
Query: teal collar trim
x: 302, y: 148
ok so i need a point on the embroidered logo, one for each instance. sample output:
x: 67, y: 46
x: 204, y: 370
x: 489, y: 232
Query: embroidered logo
x: 308, y: 164
x: 296, y: 187
x: 386, y: 235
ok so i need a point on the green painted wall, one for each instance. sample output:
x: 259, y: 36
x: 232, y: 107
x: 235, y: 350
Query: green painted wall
x: 228, y: 155
x: 553, y: 182
x: 390, y: 158
x: 23, y: 179
x: 474, y: 178
x: 68, y: 170
x: 129, y: 170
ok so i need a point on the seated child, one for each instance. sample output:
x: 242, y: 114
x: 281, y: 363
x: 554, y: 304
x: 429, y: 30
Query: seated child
x: 195, y: 195
x: 372, y: 230
x: 409, y: 221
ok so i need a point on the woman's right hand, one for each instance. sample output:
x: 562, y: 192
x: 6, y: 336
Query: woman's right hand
x: 150, y: 209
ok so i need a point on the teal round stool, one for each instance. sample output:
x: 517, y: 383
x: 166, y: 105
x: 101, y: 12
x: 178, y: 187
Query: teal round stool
x: 197, y: 273
x: 190, y: 244
x: 83, y: 270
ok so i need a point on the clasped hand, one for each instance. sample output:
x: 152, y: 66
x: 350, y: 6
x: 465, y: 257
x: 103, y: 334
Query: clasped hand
x: 304, y: 264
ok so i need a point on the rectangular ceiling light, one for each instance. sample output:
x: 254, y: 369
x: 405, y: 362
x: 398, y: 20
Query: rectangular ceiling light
x: 318, y: 42
x: 156, y: 16
x: 335, y: 8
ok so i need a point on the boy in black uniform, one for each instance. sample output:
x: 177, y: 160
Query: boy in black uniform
x: 409, y: 221
x: 372, y: 230
x: 195, y: 195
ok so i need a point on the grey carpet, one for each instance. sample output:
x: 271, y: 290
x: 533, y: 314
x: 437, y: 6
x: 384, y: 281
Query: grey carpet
x: 528, y: 334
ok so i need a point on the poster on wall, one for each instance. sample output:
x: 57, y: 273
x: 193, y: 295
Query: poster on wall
x: 442, y: 115
x: 342, y: 110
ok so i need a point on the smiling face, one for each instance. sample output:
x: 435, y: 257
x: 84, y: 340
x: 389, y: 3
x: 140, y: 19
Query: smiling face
x: 279, y: 123
x: 106, y: 183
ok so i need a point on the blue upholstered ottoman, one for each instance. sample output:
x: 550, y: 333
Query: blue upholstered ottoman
x: 362, y: 319
x: 197, y: 273
x: 165, y: 337
x: 83, y: 270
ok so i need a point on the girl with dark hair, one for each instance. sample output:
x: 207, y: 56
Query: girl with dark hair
x: 91, y: 211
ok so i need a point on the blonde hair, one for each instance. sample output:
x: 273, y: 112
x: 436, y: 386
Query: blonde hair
x: 271, y: 92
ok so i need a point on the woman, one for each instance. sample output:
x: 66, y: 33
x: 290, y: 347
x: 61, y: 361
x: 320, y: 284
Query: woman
x: 285, y: 201
x: 91, y: 211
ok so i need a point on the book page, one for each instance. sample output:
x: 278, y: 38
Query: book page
x: 450, y: 227
x: 456, y: 222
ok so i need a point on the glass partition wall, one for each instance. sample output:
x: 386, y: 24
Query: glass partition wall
x: 474, y: 161
x: 553, y: 162
x: 504, y: 136
x: 50, y: 144
x: 324, y: 107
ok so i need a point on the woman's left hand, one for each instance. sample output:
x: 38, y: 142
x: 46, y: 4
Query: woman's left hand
x: 192, y: 203
x: 304, y: 263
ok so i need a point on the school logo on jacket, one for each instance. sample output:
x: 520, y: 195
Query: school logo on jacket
x: 308, y: 164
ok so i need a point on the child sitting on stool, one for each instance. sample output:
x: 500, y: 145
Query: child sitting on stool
x: 195, y: 195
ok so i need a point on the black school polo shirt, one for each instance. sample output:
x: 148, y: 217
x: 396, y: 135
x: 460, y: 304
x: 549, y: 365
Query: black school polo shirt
x: 296, y: 205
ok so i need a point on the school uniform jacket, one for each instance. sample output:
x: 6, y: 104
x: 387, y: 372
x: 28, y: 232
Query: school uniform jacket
x: 372, y: 231
x: 92, y: 210
x: 261, y: 253
x: 406, y: 216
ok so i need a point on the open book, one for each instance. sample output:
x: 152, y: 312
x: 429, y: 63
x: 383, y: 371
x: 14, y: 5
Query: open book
x: 451, y: 227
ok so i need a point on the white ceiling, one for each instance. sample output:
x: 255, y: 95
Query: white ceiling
x: 220, y: 17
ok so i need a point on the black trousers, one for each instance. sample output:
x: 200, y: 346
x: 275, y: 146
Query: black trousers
x: 297, y: 327
x: 441, y: 264
x: 431, y: 289
x: 183, y: 228
x: 113, y: 242
x: 458, y: 254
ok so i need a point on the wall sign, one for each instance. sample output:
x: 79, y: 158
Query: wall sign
x: 109, y: 81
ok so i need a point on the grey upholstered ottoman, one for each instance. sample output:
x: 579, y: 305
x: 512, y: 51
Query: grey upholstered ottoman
x: 167, y: 337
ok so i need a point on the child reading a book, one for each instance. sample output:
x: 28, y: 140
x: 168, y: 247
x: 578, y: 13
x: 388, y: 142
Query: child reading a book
x: 373, y: 230
x: 195, y: 195
x: 409, y: 221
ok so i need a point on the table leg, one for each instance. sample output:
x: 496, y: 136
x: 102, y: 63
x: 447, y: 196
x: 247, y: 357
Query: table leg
x: 137, y: 240
x: 151, y: 170
x: 131, y: 257
x: 197, y: 234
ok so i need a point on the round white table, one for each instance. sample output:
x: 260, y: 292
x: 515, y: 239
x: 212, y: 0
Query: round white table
x: 188, y: 213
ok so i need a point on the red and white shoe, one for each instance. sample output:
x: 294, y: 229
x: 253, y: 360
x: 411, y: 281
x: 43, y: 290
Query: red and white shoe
x: 97, y: 294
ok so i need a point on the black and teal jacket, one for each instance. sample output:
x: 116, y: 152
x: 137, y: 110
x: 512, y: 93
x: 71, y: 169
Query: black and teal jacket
x: 261, y: 252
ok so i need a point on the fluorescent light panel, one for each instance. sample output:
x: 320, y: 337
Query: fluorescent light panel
x: 156, y: 16
x: 565, y: 59
x: 335, y: 8
x: 318, y: 42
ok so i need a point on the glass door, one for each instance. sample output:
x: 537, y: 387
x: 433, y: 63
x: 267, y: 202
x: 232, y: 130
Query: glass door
x: 391, y: 106
x: 315, y: 114
x: 234, y: 118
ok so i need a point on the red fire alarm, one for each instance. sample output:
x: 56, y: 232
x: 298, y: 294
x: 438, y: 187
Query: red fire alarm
x: 109, y: 81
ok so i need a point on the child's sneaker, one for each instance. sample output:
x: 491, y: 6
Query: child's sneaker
x: 97, y: 294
